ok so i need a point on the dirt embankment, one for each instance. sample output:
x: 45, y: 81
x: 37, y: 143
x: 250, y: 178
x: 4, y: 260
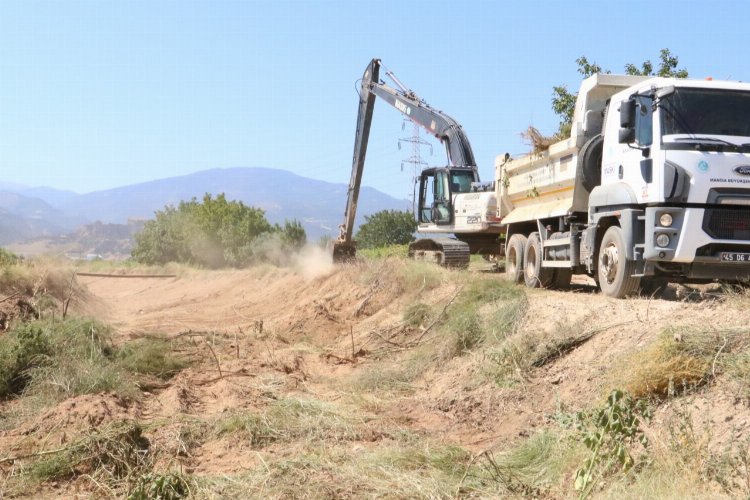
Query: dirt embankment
x: 262, y: 337
x: 349, y: 308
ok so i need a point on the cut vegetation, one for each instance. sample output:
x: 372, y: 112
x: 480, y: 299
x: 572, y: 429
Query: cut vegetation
x: 384, y: 378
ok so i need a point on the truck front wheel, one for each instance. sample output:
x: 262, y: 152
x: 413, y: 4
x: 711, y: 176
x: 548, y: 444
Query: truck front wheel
x: 614, y: 270
x: 535, y: 275
x: 514, y: 258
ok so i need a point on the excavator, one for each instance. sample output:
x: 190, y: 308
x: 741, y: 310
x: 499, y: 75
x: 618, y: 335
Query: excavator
x: 452, y: 200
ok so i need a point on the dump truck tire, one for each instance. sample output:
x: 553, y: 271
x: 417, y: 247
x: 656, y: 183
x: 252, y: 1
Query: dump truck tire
x: 534, y: 274
x: 514, y: 250
x: 614, y: 270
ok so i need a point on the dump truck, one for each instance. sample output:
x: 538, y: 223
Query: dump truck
x: 652, y: 186
x: 456, y: 210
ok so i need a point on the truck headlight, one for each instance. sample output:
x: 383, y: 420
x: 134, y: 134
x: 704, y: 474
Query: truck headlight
x: 665, y: 220
x: 662, y: 240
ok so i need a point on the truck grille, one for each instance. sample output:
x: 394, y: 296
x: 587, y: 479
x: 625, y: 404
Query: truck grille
x: 727, y: 223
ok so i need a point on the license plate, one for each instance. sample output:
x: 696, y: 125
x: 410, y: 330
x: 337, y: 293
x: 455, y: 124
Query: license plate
x: 735, y: 257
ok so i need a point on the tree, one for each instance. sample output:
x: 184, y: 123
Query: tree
x: 564, y: 102
x: 293, y: 234
x: 214, y: 233
x: 667, y: 67
x: 387, y: 227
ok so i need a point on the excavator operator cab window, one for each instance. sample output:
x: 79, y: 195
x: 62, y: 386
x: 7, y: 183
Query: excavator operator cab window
x: 434, y: 200
x: 461, y: 181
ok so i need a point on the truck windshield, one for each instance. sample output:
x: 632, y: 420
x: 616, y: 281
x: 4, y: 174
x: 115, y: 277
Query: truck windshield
x: 706, y: 112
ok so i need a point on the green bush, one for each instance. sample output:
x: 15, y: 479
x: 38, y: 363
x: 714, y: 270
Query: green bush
x: 387, y: 227
x: 214, y: 233
x: 20, y: 351
x: 58, y: 359
x: 8, y: 258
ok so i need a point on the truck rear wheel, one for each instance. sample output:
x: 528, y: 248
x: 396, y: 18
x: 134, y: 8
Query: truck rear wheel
x: 535, y: 275
x: 614, y: 270
x: 514, y: 250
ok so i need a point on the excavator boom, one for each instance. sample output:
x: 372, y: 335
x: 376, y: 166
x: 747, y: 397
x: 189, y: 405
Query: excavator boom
x: 447, y: 130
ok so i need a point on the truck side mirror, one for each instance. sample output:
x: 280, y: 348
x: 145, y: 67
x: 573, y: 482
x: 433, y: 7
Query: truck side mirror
x: 627, y: 113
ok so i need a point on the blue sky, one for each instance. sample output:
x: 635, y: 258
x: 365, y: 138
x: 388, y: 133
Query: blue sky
x: 98, y: 94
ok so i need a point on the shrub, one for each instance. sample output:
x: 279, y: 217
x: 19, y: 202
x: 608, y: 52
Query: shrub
x: 8, y: 258
x: 213, y: 233
x: 387, y: 227
x: 58, y: 359
x: 150, y: 357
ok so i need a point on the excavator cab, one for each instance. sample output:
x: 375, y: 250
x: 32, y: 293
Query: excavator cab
x: 435, y: 197
x: 436, y: 189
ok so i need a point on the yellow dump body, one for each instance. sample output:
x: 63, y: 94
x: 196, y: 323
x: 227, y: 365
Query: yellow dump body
x: 537, y: 186
x: 544, y: 185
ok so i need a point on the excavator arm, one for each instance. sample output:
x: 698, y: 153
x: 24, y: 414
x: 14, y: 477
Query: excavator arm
x: 447, y: 130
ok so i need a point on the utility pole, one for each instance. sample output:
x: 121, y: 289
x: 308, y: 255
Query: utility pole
x: 415, y: 160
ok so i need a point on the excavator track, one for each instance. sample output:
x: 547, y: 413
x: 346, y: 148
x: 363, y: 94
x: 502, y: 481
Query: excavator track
x: 446, y: 252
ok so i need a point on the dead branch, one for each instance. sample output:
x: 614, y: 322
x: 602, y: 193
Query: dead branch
x: 68, y: 295
x: 37, y: 454
x: 218, y: 366
x: 568, y: 345
x: 12, y: 295
x: 370, y: 294
x: 102, y: 275
x: 239, y: 373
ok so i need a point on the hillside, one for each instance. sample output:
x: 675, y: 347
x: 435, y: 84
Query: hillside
x: 283, y: 195
x: 33, y: 213
x: 23, y: 217
x: 392, y: 379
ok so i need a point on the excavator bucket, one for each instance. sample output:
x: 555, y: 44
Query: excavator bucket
x: 344, y: 251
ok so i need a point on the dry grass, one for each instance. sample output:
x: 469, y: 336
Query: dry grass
x: 539, y: 143
x: 293, y: 419
x: 111, y: 458
x: 485, y: 312
x: 682, y: 359
x: 394, y: 470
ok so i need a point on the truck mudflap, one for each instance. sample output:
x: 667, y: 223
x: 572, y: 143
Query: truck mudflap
x: 446, y: 252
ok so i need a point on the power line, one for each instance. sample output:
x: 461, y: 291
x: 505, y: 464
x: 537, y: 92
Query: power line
x: 415, y: 160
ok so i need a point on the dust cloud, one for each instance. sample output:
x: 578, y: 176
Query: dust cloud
x: 312, y: 262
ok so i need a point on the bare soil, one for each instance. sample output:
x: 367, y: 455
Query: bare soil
x: 261, y: 334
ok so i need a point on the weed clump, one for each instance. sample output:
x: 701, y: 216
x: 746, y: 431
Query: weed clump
x: 417, y: 314
x: 534, y: 466
x: 468, y: 328
x: 288, y: 419
x: 682, y: 359
x: 150, y: 356
x: 117, y: 452
x: 53, y: 360
x: 169, y: 486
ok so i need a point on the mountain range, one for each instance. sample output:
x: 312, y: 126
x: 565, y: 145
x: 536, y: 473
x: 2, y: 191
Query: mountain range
x: 28, y: 213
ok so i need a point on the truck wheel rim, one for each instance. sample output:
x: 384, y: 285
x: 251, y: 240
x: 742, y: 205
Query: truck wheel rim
x: 609, y: 261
